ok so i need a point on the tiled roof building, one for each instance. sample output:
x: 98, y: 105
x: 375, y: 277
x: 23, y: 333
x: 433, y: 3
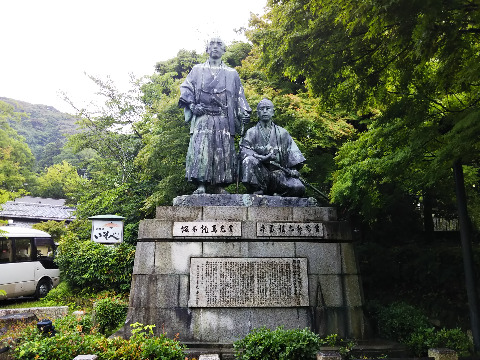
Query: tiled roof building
x: 28, y: 210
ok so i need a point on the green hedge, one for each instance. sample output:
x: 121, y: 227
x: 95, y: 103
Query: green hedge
x: 86, y: 264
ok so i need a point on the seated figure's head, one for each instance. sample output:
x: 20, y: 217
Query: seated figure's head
x: 265, y: 110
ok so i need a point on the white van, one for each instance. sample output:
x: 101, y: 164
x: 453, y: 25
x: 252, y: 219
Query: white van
x: 26, y: 262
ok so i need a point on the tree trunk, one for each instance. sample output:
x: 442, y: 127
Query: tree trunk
x: 468, y: 264
x: 427, y: 217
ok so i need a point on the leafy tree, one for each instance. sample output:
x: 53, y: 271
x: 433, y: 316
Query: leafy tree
x: 106, y: 148
x: 181, y: 64
x: 236, y: 53
x: 60, y: 181
x: 48, y: 154
x: 162, y: 159
x: 56, y: 229
x: 411, y: 71
x: 16, y: 159
x: 112, y: 131
x: 408, y: 70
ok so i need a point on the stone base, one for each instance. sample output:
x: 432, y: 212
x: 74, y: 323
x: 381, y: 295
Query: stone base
x: 182, y: 281
x: 242, y: 200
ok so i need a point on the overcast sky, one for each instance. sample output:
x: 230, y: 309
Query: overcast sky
x: 47, y: 46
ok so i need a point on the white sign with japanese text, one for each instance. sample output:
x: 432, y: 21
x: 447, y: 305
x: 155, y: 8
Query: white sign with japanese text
x: 207, y: 228
x: 107, y: 231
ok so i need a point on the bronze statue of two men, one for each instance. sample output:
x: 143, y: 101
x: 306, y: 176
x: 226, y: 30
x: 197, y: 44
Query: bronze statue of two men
x: 215, y: 106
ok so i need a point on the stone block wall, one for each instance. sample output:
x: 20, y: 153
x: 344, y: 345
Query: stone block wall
x: 51, y: 312
x: 161, y: 286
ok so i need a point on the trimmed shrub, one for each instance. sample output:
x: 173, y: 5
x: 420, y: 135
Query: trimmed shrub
x: 278, y: 344
x: 399, y: 320
x: 109, y: 313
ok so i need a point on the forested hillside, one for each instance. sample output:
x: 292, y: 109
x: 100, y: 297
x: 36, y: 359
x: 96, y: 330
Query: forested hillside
x: 44, y: 129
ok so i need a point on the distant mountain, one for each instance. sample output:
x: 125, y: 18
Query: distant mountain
x: 45, y: 129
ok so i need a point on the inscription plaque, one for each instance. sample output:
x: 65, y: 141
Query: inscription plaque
x: 290, y: 229
x: 209, y: 357
x: 248, y: 282
x: 207, y: 228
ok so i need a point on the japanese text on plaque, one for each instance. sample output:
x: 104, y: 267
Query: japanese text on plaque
x: 207, y: 228
x: 287, y: 229
x: 245, y: 282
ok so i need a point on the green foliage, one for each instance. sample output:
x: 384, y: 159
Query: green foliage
x: 408, y: 71
x: 236, y: 53
x: 109, y: 143
x: 423, y: 275
x: 16, y: 159
x: 86, y: 264
x: 59, y: 181
x: 428, y: 337
x: 144, y: 345
x: 162, y: 159
x: 76, y: 299
x: 109, y: 313
x: 278, y: 344
x: 409, y: 325
x: 104, y: 311
x: 180, y: 65
x: 10, y: 195
x: 112, y: 132
x: 123, y: 200
x: 398, y: 320
x: 62, y: 295
x: 55, y: 228
x: 75, y: 336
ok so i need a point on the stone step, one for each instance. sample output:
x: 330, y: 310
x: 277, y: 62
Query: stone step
x: 223, y: 350
x: 373, y: 348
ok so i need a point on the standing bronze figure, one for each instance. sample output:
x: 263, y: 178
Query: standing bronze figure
x: 215, y: 105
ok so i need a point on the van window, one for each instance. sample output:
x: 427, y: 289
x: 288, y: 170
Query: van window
x: 6, y: 254
x: 45, y: 248
x: 23, y: 250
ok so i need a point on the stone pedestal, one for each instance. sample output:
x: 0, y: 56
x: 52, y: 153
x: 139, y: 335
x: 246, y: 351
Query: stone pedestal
x: 212, y: 273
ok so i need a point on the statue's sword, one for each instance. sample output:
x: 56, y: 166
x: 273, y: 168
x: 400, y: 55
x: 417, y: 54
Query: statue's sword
x: 242, y: 130
x: 305, y: 182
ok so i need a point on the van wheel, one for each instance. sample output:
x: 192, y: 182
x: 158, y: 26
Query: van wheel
x: 43, y: 287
